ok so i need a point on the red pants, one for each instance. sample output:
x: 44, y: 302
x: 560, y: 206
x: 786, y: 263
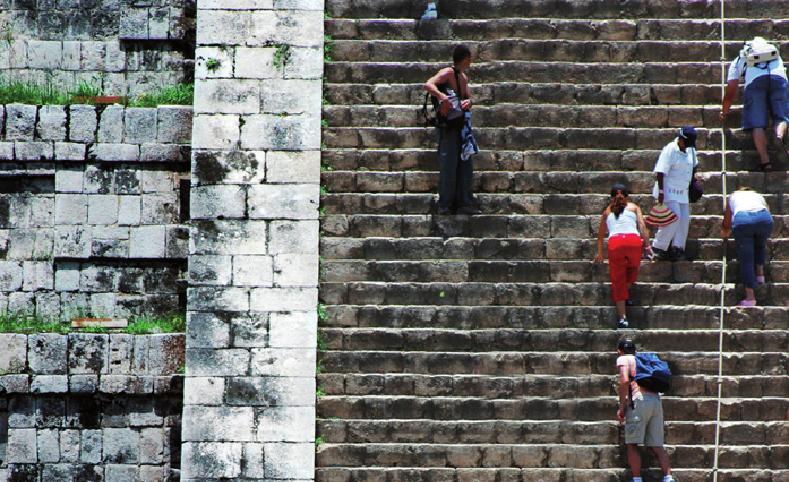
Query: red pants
x: 624, y: 259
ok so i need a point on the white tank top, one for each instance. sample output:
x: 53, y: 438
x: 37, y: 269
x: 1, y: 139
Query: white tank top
x: 626, y: 224
x: 741, y: 201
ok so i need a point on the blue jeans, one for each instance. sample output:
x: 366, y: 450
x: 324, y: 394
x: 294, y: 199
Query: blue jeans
x: 751, y: 230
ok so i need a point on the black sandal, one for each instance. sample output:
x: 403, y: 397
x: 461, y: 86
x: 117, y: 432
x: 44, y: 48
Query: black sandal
x: 764, y: 167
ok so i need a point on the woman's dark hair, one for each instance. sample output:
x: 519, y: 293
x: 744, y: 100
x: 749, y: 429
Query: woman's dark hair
x: 627, y: 345
x: 619, y: 205
x: 461, y: 53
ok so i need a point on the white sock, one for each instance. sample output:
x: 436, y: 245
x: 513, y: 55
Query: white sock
x: 668, y: 478
x: 637, y: 479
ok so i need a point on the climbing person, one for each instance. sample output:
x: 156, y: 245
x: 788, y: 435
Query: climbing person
x: 628, y: 237
x: 675, y: 170
x: 641, y: 410
x: 449, y: 88
x: 765, y: 97
x: 748, y: 218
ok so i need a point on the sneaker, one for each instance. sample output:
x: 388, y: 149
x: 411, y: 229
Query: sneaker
x: 661, y: 254
x: 760, y: 280
x: 468, y: 210
x: 622, y: 324
x: 747, y: 303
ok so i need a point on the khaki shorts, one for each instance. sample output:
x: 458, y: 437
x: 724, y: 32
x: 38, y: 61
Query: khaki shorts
x: 644, y: 422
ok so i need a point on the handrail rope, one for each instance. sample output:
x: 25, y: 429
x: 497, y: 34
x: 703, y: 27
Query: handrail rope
x: 724, y: 257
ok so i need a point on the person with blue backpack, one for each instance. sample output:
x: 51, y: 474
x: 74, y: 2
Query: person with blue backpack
x: 642, y: 377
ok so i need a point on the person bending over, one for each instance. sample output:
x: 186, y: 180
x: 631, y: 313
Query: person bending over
x: 623, y: 221
x: 450, y: 88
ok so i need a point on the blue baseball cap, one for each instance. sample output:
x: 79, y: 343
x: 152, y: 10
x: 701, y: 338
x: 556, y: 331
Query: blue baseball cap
x: 688, y: 134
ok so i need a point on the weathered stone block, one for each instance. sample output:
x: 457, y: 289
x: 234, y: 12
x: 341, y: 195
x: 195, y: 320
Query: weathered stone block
x: 207, y: 424
x: 290, y: 461
x: 102, y: 209
x: 224, y: 201
x: 129, y: 210
x: 21, y: 448
x: 216, y: 167
x: 298, y: 201
x: 69, y: 445
x: 92, y: 55
x: 214, y: 363
x: 88, y: 353
x: 83, y: 383
x: 6, y: 151
x: 282, y: 299
x: 90, y: 446
x: 294, y: 237
x: 13, y: 353
x: 174, y: 124
x: 162, y: 153
x: 151, y: 446
x: 69, y: 151
x: 295, y: 270
x: 71, y: 209
x: 111, y: 125
x: 290, y: 133
x: 12, y: 275
x: 222, y: 27
x: 83, y: 122
x: 120, y: 445
x: 249, y: 331
x: 223, y: 237
x: 115, y: 152
x: 15, y: 383
x: 114, y: 57
x: 293, y: 330
x: 216, y: 132
x: 228, y: 96
x: 39, y: 275
x: 70, y: 55
x: 255, y: 63
x: 253, y: 271
x: 47, y: 353
x: 211, y: 460
x: 270, y: 26
x: 286, y: 424
x: 72, y: 242
x: 49, y: 384
x: 204, y: 390
x: 134, y: 23
x: 210, y: 270
x: 146, y: 242
x: 140, y: 125
x: 44, y: 54
x: 282, y: 362
x: 294, y: 167
x: 305, y: 63
x: 67, y: 277
x: 52, y: 123
x: 34, y: 151
x: 292, y: 96
x: 221, y: 61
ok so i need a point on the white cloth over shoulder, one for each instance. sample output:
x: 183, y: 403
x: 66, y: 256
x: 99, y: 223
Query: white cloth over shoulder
x: 677, y: 168
x: 737, y: 69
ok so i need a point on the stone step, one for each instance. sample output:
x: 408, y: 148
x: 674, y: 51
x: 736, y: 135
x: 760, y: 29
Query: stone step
x: 499, y: 226
x: 540, y: 432
x: 530, y: 71
x: 494, y: 340
x: 558, y: 387
x: 536, y: 115
x: 580, y: 409
x: 504, y: 249
x: 657, y: 317
x: 539, y: 294
x: 524, y: 49
x: 424, y: 159
x: 604, y: 9
x: 594, y: 184
x: 737, y: 29
x: 385, y: 474
x: 544, y: 363
x: 539, y: 455
x: 510, y: 91
x: 555, y: 271
x: 386, y: 203
x: 533, y: 138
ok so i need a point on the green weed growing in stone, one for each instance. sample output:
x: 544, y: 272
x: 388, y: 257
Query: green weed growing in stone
x: 326, y: 167
x: 324, y: 191
x: 322, y: 345
x: 31, y: 93
x: 324, y: 100
x: 324, y: 123
x: 319, y: 441
x: 319, y: 367
x: 282, y: 55
x: 86, y: 89
x: 181, y: 369
x: 319, y: 393
x: 24, y: 323
x: 328, y: 48
x: 323, y: 315
x: 142, y: 325
x: 212, y: 64
x: 181, y: 94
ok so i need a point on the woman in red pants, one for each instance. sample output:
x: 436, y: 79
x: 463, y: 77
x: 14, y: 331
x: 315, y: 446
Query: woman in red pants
x: 627, y: 239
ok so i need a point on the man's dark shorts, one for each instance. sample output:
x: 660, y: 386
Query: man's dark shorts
x: 765, y: 97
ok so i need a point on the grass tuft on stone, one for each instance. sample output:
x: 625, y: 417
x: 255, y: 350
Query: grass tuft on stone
x: 17, y: 92
x: 23, y: 323
x: 181, y: 94
x: 164, y: 324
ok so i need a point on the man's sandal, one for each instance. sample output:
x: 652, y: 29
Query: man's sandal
x: 764, y: 167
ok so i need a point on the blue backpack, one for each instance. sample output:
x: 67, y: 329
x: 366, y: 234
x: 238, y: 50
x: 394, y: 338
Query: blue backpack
x: 652, y: 373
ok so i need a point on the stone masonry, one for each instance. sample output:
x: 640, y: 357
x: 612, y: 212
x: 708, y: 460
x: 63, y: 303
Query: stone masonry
x: 92, y: 214
x: 250, y: 387
x: 90, y: 407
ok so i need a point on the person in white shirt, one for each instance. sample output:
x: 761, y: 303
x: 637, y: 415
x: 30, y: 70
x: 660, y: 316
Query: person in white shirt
x: 748, y: 217
x: 765, y: 96
x: 675, y: 170
x: 642, y: 413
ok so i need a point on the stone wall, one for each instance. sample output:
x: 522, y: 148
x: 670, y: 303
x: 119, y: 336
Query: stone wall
x: 126, y: 46
x: 90, y: 407
x: 253, y: 261
x: 92, y: 210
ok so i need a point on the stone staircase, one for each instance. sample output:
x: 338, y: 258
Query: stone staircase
x: 481, y: 348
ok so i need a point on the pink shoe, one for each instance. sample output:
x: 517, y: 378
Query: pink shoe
x: 747, y: 303
x: 760, y: 280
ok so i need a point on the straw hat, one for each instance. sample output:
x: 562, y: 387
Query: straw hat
x: 660, y: 216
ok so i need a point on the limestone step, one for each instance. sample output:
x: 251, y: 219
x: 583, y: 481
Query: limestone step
x: 566, y: 204
x: 532, y: 138
x: 493, y: 340
x: 382, y: 474
x: 536, y: 115
x: 499, y: 226
x: 424, y: 159
x: 540, y: 432
x: 555, y: 271
x: 510, y: 90
x: 525, y: 49
x: 545, y: 363
x: 595, y: 184
x: 604, y: 9
x: 737, y: 29
x: 539, y: 455
x: 655, y: 317
x: 539, y: 294
x: 505, y: 249
x: 531, y: 71
x: 558, y: 387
